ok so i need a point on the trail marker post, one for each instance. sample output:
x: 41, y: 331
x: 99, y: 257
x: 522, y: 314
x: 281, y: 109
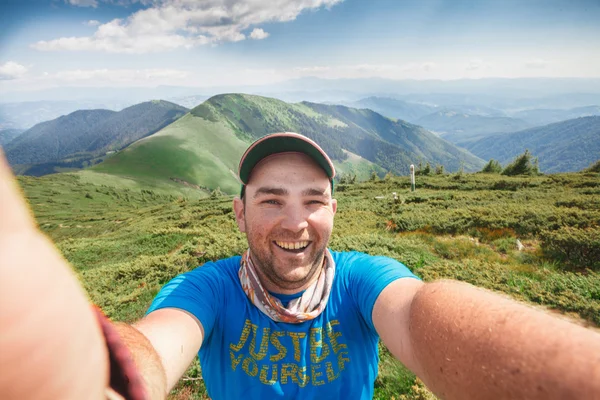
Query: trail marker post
x: 412, y: 178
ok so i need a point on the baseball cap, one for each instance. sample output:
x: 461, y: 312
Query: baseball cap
x: 283, y: 142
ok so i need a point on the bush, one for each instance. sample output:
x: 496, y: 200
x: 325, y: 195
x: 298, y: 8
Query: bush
x: 524, y: 164
x: 426, y: 170
x: 579, y: 248
x: 492, y: 167
x: 595, y: 167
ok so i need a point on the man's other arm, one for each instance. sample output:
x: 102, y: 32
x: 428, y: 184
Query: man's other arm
x: 468, y: 343
x: 163, y: 345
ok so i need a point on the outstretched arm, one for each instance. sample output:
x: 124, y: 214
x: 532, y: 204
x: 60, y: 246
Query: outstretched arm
x: 163, y: 345
x: 51, y: 346
x: 468, y: 343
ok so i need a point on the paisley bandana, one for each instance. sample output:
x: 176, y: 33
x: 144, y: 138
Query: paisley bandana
x: 304, y: 308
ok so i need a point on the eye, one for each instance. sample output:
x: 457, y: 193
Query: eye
x: 316, y: 202
x: 271, y: 202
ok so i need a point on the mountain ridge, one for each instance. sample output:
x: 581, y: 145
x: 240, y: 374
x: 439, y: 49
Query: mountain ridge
x: 86, y: 134
x: 564, y: 146
x: 204, y: 147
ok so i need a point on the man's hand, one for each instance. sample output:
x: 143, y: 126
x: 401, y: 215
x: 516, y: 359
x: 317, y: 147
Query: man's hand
x: 51, y: 346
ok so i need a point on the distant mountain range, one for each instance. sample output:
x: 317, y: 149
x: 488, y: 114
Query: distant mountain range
x: 27, y: 114
x: 7, y: 135
x: 538, y: 117
x: 561, y: 147
x: 202, y: 149
x: 394, y: 108
x: 87, y: 134
x: 460, y: 128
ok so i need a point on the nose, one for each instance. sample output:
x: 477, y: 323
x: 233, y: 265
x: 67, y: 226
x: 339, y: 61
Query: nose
x: 295, y: 219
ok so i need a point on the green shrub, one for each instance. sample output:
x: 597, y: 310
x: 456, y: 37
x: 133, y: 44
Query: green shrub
x: 492, y: 167
x: 524, y: 164
x: 595, y: 167
x: 579, y: 248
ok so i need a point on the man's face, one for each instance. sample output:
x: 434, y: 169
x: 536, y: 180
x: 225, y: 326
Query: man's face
x: 287, y: 215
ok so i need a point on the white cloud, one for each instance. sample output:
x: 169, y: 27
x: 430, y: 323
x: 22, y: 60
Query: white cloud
x: 83, y: 3
x: 478, y: 64
x: 258, y: 34
x: 116, y: 76
x: 92, y: 22
x: 474, y: 65
x: 172, y: 24
x: 536, y: 63
x: 11, y: 70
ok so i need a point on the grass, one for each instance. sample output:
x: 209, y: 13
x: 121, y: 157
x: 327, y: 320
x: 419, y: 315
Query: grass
x: 126, y: 243
x: 192, y: 149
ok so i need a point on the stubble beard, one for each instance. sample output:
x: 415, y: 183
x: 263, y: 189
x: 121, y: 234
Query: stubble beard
x: 265, y: 263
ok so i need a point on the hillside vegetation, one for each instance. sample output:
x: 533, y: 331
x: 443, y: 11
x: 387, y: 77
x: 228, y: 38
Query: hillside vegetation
x: 561, y: 147
x: 125, y: 244
x: 83, y: 135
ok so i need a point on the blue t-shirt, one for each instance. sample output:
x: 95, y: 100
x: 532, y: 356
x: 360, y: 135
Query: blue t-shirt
x: 245, y: 354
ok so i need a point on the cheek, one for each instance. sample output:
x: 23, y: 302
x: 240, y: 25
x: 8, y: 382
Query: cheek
x: 322, y: 219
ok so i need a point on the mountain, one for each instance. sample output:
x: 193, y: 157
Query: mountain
x: 561, y: 147
x: 394, y: 108
x: 6, y: 135
x: 86, y: 134
x: 538, y: 117
x: 460, y: 128
x: 25, y: 115
x: 202, y: 149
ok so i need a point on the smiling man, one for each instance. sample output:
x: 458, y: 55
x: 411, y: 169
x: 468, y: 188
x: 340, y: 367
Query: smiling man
x: 292, y: 319
x: 289, y: 318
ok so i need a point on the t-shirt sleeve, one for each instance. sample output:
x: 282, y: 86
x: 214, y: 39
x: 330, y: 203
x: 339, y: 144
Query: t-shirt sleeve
x: 197, y: 292
x: 368, y: 276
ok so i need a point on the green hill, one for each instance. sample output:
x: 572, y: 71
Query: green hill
x: 83, y: 135
x: 561, y: 147
x: 202, y: 149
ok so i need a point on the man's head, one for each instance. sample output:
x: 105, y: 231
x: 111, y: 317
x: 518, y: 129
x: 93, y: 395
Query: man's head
x: 287, y: 209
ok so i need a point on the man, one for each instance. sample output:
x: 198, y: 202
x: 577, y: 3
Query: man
x: 292, y: 319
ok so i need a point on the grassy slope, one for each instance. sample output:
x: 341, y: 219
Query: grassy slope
x: 191, y: 149
x: 126, y: 244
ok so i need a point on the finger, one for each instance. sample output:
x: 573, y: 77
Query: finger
x: 14, y: 212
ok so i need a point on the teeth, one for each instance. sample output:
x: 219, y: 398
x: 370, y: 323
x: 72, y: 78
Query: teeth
x: 292, y: 245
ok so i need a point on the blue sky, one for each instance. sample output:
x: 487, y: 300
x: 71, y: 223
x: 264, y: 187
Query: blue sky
x: 56, y: 43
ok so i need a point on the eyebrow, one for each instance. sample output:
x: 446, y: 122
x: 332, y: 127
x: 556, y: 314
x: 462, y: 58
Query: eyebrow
x: 270, y: 191
x: 265, y: 190
x: 314, y: 192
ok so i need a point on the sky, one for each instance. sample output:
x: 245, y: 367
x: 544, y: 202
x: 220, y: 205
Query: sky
x: 206, y: 43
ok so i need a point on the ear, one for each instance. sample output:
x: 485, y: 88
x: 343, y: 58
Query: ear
x: 240, y: 218
x: 334, y: 205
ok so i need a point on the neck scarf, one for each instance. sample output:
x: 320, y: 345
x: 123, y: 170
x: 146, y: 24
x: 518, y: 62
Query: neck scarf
x: 304, y: 308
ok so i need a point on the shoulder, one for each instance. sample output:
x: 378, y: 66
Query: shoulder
x: 348, y: 260
x: 355, y: 267
x: 218, y: 269
x: 211, y: 276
